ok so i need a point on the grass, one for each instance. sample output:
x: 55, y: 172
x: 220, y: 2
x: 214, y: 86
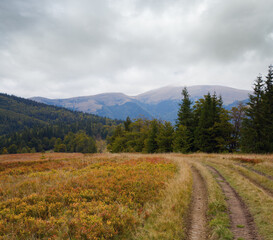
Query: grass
x: 263, y: 167
x: 168, y: 219
x: 218, y: 218
x: 259, y: 179
x: 258, y: 202
x: 125, y: 196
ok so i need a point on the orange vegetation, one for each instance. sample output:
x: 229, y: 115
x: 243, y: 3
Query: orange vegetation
x: 248, y: 160
x: 78, y: 197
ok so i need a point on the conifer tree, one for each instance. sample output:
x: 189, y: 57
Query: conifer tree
x: 203, y: 132
x: 213, y: 130
x: 165, y: 137
x: 127, y: 124
x: 253, y: 124
x: 237, y: 116
x: 184, y: 115
x: 183, y: 137
x: 151, y: 143
x: 268, y: 110
x: 182, y: 140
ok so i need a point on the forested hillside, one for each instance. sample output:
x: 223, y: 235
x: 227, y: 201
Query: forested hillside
x: 26, y: 125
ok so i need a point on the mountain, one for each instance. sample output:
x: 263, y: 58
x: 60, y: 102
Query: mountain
x: 159, y: 103
x: 18, y: 113
x: 29, y: 126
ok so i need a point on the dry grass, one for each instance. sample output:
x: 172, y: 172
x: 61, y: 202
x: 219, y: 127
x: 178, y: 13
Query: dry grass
x: 123, y: 196
x: 169, y: 218
x: 218, y: 218
x: 247, y: 171
x: 258, y: 202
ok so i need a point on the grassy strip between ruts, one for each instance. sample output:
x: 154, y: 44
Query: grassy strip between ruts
x: 218, y: 218
x: 168, y: 218
x: 255, y: 177
x: 258, y: 202
x: 263, y: 167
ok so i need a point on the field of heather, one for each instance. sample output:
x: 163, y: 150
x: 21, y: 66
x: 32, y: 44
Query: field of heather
x: 136, y: 196
x: 75, y: 196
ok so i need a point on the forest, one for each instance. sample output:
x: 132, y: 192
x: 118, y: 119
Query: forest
x: 203, y: 126
x: 28, y: 126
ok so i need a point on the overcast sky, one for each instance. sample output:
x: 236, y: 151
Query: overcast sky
x: 65, y: 48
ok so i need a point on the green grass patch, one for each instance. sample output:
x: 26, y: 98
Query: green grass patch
x: 217, y: 213
x: 259, y: 203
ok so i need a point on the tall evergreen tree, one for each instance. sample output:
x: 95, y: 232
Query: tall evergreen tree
x: 213, y: 129
x: 183, y: 137
x: 184, y: 115
x: 203, y: 138
x: 268, y: 110
x: 253, y: 125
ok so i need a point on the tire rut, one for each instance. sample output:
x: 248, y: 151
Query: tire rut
x: 269, y: 192
x: 256, y: 171
x: 242, y: 223
x: 197, y: 225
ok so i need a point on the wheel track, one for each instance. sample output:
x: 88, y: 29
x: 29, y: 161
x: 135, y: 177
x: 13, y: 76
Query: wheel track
x: 255, y: 170
x: 197, y: 225
x: 242, y: 223
x: 257, y: 184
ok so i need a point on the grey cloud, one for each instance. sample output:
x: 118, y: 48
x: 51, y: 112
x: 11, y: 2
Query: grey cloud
x: 83, y: 47
x: 232, y: 28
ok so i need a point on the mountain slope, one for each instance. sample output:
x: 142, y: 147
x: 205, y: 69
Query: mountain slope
x: 18, y: 113
x: 228, y: 94
x: 160, y: 103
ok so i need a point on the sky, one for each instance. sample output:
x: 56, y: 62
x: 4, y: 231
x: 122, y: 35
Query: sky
x: 67, y: 48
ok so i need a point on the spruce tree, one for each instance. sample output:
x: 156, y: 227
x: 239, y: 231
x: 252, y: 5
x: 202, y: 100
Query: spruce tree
x: 268, y: 110
x: 237, y: 116
x: 182, y: 140
x: 165, y: 137
x: 203, y: 132
x: 183, y: 137
x: 253, y: 132
x: 184, y: 115
x: 127, y: 124
x: 151, y: 143
x: 213, y: 131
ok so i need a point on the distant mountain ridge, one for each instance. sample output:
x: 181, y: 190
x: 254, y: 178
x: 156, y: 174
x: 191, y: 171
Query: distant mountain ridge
x: 159, y: 103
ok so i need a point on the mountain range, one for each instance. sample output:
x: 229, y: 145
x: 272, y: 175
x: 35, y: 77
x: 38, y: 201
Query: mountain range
x: 162, y: 103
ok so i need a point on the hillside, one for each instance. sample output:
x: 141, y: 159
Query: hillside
x: 160, y: 103
x: 17, y: 113
x: 31, y: 125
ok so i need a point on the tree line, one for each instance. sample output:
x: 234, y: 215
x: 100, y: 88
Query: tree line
x: 257, y: 126
x: 205, y: 126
